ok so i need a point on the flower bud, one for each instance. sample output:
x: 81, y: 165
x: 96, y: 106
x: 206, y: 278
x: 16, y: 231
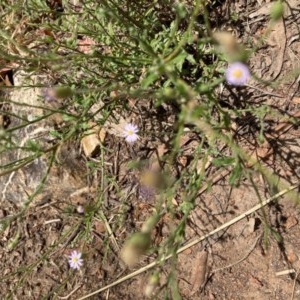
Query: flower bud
x: 277, y: 11
x: 229, y: 46
x: 152, y: 284
x: 63, y: 92
x: 135, y: 247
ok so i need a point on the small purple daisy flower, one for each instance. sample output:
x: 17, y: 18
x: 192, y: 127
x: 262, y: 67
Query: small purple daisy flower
x: 130, y: 133
x: 49, y: 94
x: 237, y: 74
x: 75, y: 260
x: 80, y: 209
x: 146, y: 192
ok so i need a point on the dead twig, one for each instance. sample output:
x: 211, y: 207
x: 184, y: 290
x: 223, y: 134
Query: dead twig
x: 265, y: 92
x: 294, y: 284
x: 69, y: 295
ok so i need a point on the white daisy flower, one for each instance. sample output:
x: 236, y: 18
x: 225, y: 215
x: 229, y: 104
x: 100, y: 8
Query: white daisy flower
x: 75, y: 260
x: 130, y: 133
x: 80, y: 209
x: 237, y: 74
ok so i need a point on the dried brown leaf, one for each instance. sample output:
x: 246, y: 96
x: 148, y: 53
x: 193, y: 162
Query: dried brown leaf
x: 291, y: 222
x: 296, y: 100
x: 91, y: 142
x: 102, y: 135
x: 198, y: 277
x: 86, y: 45
x: 264, y: 150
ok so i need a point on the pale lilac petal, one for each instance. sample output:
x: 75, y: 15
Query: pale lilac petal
x: 237, y: 74
x: 130, y: 133
x: 131, y: 128
x: 75, y: 260
x: 80, y: 209
x: 131, y: 138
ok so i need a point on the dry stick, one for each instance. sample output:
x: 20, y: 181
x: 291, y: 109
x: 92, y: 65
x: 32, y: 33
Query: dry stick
x: 196, y: 241
x: 294, y: 285
x: 265, y: 92
x: 68, y: 296
x: 285, y: 272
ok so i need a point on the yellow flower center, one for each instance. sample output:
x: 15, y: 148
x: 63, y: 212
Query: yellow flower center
x: 237, y: 73
x: 130, y: 132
